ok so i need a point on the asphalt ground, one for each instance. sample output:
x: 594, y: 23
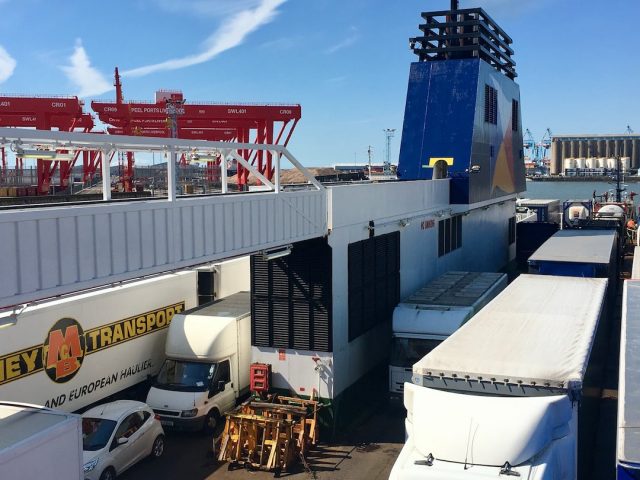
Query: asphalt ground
x: 367, y: 450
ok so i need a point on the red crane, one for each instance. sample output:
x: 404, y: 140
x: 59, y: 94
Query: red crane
x: 204, y: 121
x: 48, y: 113
x: 244, y: 123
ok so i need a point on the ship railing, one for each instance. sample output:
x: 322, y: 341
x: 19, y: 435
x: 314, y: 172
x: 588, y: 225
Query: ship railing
x: 223, y: 153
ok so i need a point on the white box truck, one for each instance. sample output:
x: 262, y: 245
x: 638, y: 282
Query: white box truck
x: 73, y: 351
x: 219, y: 280
x: 207, y: 367
x: 427, y: 317
x: 502, y: 396
x: 39, y: 443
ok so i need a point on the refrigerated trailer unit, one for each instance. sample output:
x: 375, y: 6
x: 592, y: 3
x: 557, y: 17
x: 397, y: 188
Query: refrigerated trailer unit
x: 428, y: 316
x: 74, y: 351
x: 503, y: 394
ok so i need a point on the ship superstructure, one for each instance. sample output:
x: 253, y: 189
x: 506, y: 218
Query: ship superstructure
x: 329, y: 262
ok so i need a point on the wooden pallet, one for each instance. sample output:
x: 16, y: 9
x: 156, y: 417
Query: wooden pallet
x: 269, y: 435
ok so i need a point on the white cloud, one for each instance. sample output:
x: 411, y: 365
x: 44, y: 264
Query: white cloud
x: 80, y: 72
x: 347, y: 42
x: 209, y: 8
x: 230, y: 34
x: 7, y: 65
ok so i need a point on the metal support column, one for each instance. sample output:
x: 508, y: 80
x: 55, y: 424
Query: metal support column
x: 276, y: 174
x: 224, y: 157
x: 106, y: 176
x: 171, y: 175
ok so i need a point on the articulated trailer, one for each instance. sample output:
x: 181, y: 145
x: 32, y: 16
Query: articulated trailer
x: 427, y: 317
x: 74, y: 351
x: 503, y: 395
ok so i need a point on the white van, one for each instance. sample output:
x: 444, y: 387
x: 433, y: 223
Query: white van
x: 207, y: 367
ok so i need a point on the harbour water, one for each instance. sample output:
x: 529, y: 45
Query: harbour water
x: 572, y: 190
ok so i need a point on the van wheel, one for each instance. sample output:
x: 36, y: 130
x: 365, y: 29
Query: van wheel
x: 212, y: 421
x: 108, y: 474
x: 158, y: 447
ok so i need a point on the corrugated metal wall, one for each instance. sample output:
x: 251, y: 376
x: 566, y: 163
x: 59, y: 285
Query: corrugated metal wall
x: 57, y: 250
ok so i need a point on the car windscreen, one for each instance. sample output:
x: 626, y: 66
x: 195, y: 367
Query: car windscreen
x: 186, y: 376
x: 96, y: 433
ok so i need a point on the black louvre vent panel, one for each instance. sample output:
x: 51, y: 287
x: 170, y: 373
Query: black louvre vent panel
x: 259, y: 281
x: 490, y: 105
x: 449, y: 235
x: 261, y: 323
x: 302, y: 327
x: 355, y: 265
x: 281, y: 320
x: 374, y: 282
x: 321, y: 324
x: 291, y: 301
x: 280, y: 284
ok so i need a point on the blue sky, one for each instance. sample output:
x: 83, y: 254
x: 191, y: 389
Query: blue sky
x: 345, y: 61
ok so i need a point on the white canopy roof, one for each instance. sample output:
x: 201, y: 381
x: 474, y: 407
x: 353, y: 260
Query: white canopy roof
x: 538, y: 331
x: 579, y: 246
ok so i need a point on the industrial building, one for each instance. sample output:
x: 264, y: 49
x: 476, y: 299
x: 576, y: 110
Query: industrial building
x: 585, y: 155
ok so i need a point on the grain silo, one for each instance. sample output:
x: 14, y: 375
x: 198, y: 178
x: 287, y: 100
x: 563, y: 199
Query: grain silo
x: 582, y: 148
x: 602, y: 148
x: 575, y: 146
x: 556, y: 157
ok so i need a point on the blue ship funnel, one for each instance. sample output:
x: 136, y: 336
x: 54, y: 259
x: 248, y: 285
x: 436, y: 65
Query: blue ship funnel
x: 462, y: 117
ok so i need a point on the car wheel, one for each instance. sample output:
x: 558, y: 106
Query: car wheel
x: 108, y: 474
x: 212, y: 421
x: 158, y: 447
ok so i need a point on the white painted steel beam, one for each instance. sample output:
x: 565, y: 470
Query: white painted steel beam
x: 56, y: 250
x: 94, y: 141
x: 251, y: 169
x: 106, y: 175
x: 51, y: 251
x: 172, y: 179
x: 99, y: 141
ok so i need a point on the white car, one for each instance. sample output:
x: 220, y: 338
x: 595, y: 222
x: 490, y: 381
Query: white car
x: 116, y: 435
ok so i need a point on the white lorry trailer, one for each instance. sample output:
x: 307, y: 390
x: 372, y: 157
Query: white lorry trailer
x: 207, y: 367
x: 422, y: 321
x: 39, y: 443
x: 221, y: 279
x: 628, y: 437
x: 502, y: 395
x: 76, y: 350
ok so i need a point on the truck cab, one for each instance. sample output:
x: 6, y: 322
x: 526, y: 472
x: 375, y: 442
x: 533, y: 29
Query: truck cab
x: 207, y: 366
x: 423, y: 320
x: 408, y: 345
x: 504, y: 395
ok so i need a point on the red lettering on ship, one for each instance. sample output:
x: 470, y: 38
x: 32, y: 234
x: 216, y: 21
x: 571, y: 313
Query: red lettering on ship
x: 426, y: 224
